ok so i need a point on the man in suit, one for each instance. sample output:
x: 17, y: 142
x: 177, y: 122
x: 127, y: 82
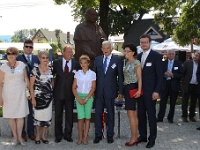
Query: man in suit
x: 152, y: 76
x: 189, y: 88
x: 173, y: 72
x: 107, y: 67
x: 198, y: 88
x: 63, y: 97
x: 30, y: 60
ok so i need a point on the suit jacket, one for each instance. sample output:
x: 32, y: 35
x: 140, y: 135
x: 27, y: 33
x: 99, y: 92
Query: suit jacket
x: 34, y: 62
x: 198, y: 78
x: 63, y: 84
x: 152, y: 73
x: 187, y: 73
x: 177, y: 71
x: 108, y: 84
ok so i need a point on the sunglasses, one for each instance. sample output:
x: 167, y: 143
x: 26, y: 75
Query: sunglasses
x: 31, y: 47
x: 45, y: 57
x: 8, y: 53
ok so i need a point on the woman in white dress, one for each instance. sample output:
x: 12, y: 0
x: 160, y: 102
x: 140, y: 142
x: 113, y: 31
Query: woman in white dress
x: 13, y: 83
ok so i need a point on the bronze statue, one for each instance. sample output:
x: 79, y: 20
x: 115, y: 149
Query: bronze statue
x: 88, y: 37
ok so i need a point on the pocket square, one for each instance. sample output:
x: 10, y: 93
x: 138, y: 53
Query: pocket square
x: 132, y: 93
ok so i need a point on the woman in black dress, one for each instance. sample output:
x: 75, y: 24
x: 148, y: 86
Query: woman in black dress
x: 41, y: 87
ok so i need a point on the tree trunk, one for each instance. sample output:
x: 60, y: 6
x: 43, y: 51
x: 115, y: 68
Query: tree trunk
x: 104, y: 8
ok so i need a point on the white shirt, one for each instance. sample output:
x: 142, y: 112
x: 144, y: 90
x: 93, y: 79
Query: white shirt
x: 29, y: 57
x: 108, y: 60
x: 144, y: 57
x: 194, y: 76
x: 84, y: 81
x: 69, y: 64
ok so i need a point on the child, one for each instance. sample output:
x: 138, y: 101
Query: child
x: 83, y: 88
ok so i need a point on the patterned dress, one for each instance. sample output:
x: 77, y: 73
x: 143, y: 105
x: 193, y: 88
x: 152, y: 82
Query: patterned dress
x: 42, y: 113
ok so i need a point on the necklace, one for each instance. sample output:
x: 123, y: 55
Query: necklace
x: 12, y: 68
x: 43, y: 70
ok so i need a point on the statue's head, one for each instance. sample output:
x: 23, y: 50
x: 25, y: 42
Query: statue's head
x: 91, y: 15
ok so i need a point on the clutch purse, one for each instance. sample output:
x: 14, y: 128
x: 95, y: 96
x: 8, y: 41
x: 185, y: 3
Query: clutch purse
x: 132, y: 93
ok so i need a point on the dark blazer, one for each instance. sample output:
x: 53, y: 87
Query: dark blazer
x: 198, y: 79
x: 63, y: 83
x: 108, y: 84
x: 34, y: 61
x: 152, y: 73
x: 187, y: 74
x: 177, y: 71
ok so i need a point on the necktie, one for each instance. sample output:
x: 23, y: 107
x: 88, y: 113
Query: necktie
x: 66, y: 71
x: 105, y: 65
x: 170, y: 66
x: 143, y: 59
x: 29, y: 60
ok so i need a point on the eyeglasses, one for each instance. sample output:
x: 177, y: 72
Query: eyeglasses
x: 31, y: 47
x: 8, y: 53
x: 144, y: 42
x: 45, y: 57
x: 127, y: 51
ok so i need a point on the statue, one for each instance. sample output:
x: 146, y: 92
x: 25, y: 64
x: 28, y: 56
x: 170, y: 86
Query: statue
x: 88, y: 37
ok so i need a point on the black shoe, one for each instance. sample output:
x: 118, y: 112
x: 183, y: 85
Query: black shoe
x: 97, y: 139
x: 150, y: 144
x: 159, y: 120
x: 110, y: 139
x: 140, y: 139
x: 57, y: 140
x: 69, y: 139
x: 198, y: 128
x: 170, y: 121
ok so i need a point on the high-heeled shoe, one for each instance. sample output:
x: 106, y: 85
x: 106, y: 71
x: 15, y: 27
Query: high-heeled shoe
x: 22, y: 143
x: 131, y: 144
x: 37, y: 142
x: 45, y: 141
x: 14, y: 143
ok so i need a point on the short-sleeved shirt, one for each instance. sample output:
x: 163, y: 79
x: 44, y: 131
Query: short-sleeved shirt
x: 130, y: 74
x: 84, y: 81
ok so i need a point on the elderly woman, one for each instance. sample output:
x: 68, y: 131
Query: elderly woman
x: 132, y: 80
x: 41, y: 87
x: 13, y: 83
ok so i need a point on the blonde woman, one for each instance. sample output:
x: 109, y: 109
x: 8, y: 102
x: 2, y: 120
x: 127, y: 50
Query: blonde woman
x: 13, y: 83
x: 41, y: 87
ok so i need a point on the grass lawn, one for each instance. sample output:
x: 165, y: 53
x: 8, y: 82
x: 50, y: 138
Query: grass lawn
x: 0, y: 111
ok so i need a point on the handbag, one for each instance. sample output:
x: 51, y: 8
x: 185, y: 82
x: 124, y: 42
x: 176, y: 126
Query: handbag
x: 132, y: 92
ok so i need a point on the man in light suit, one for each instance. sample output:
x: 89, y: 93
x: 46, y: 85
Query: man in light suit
x: 107, y: 67
x: 152, y: 76
x: 63, y: 97
x: 189, y: 87
x: 30, y: 60
x: 173, y: 72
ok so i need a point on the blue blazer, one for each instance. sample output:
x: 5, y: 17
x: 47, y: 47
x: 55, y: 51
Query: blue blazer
x: 177, y: 71
x: 152, y: 73
x: 111, y: 83
x: 34, y: 61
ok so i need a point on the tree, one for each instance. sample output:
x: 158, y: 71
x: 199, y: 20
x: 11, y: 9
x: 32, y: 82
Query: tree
x: 1, y: 41
x: 22, y: 35
x: 115, y: 16
x: 188, y: 22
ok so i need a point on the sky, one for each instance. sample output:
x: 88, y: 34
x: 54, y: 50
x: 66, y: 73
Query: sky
x: 28, y: 14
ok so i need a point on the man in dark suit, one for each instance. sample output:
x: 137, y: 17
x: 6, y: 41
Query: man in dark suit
x: 173, y: 72
x: 107, y: 67
x: 63, y: 97
x: 189, y: 88
x: 152, y: 76
x: 198, y: 88
x: 30, y: 60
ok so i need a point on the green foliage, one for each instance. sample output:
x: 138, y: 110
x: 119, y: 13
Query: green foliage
x: 1, y: 41
x: 2, y: 51
x: 1, y: 113
x: 55, y: 49
x: 22, y: 35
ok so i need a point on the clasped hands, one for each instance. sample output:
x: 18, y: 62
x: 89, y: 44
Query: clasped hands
x: 169, y: 74
x: 82, y: 101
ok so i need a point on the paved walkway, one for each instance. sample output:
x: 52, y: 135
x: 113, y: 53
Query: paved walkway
x: 176, y: 136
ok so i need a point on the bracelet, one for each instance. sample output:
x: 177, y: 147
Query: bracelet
x: 86, y: 99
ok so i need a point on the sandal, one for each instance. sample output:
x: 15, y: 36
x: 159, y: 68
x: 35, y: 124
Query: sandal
x: 45, y: 141
x: 37, y: 142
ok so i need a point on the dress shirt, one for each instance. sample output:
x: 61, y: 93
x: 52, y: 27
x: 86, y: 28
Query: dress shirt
x: 108, y: 60
x: 194, y: 75
x: 84, y: 81
x: 144, y: 57
x: 69, y: 64
x: 29, y: 57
